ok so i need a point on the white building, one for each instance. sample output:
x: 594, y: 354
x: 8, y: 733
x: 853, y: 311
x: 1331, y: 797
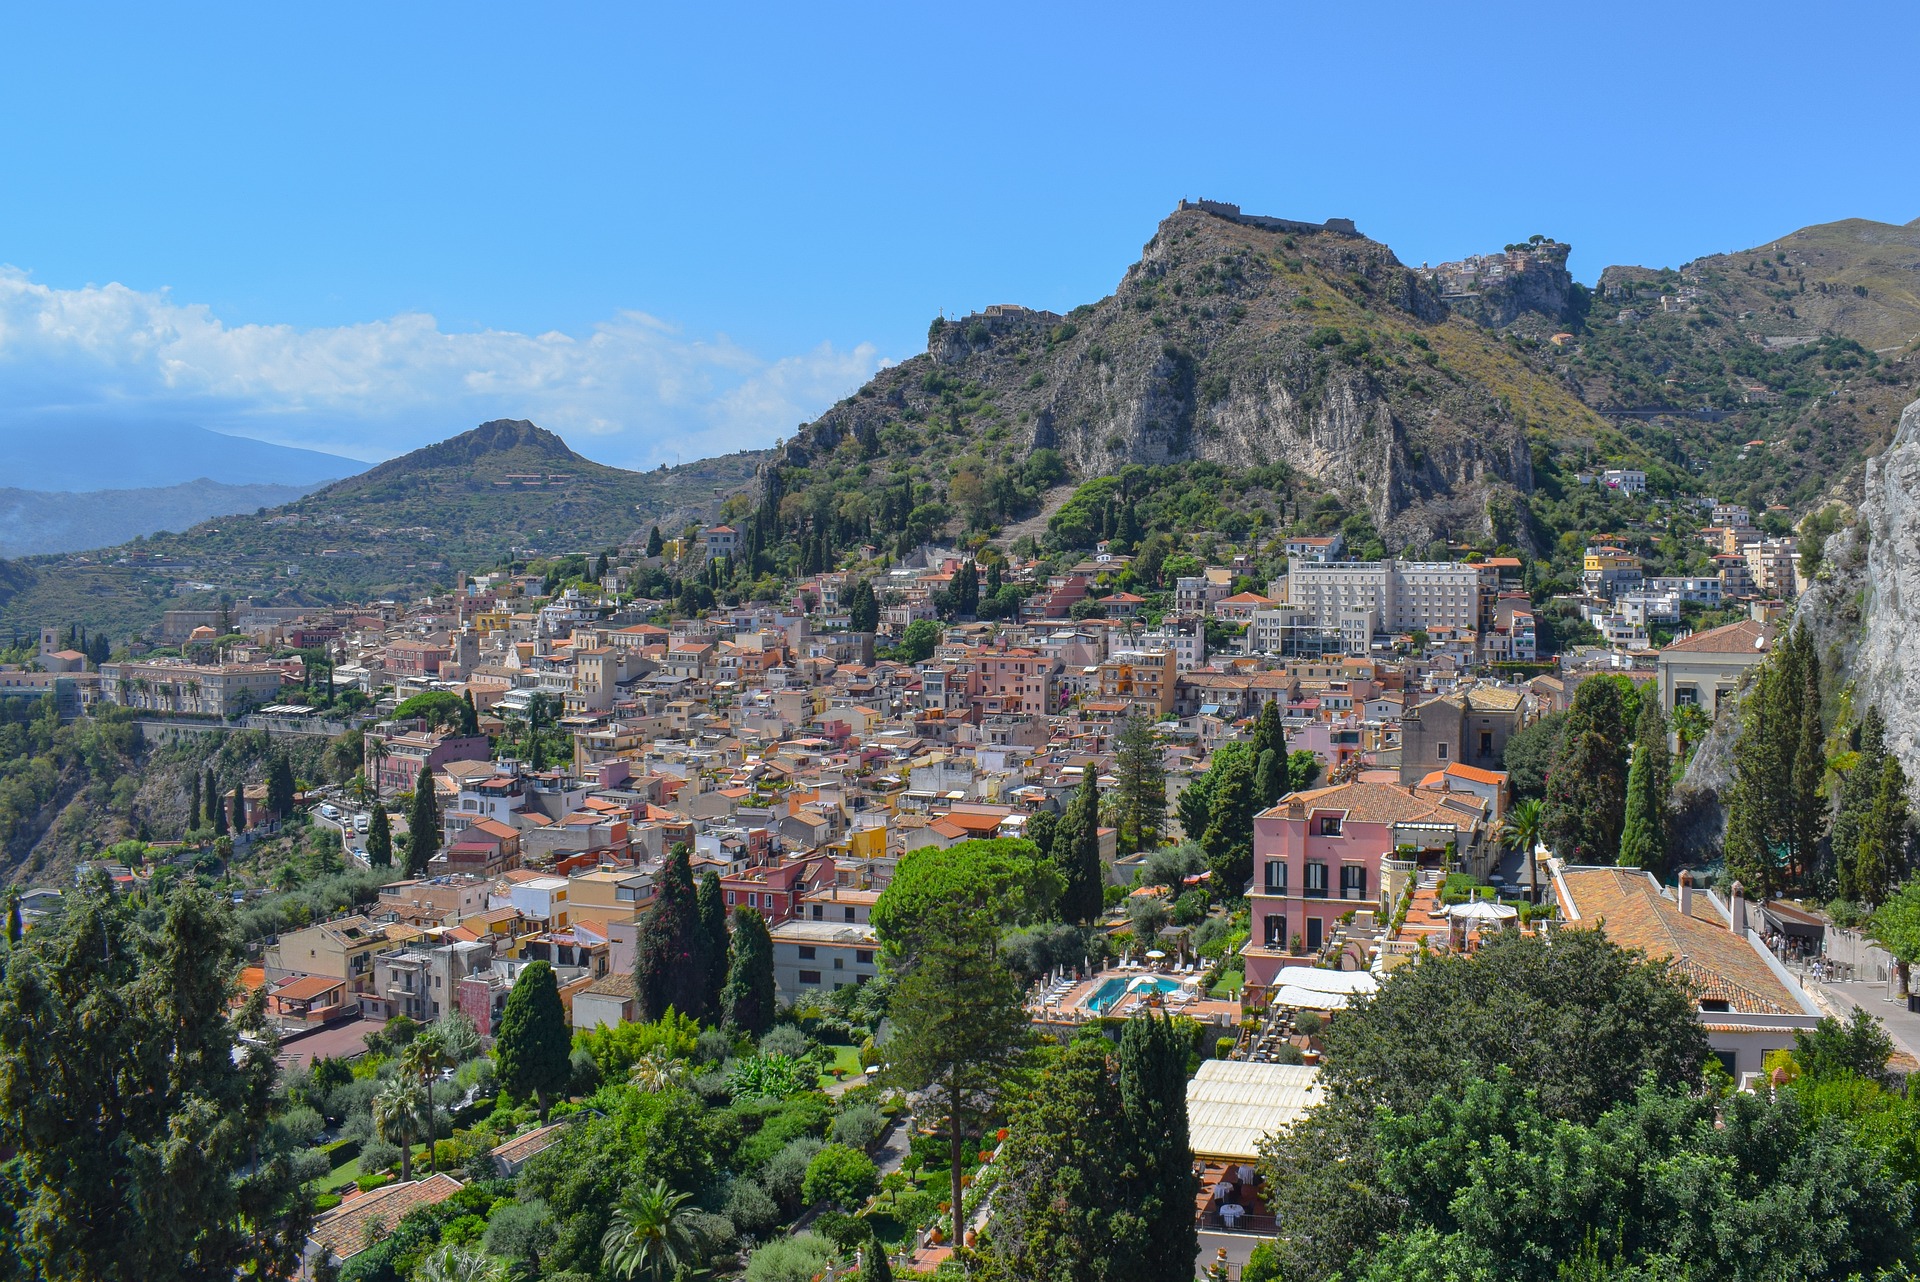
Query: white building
x: 1356, y: 597
x: 812, y: 958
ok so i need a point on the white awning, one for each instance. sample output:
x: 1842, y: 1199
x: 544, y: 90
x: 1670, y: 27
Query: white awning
x: 1233, y: 1104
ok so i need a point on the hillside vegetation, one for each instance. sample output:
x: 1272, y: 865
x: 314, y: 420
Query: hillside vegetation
x: 501, y: 490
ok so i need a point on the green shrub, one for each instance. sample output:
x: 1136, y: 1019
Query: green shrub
x: 840, y: 1177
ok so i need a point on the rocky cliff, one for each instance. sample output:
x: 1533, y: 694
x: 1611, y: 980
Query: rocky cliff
x: 1246, y: 342
x: 1885, y: 598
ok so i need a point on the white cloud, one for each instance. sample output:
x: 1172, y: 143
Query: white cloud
x: 635, y: 391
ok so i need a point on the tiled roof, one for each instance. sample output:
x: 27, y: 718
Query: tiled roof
x: 522, y: 1147
x: 343, y: 1230
x: 1744, y: 637
x: 1629, y: 908
x: 1387, y: 803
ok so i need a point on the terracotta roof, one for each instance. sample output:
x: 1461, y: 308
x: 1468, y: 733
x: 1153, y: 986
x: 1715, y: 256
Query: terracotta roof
x: 343, y: 1230
x: 1744, y: 637
x: 522, y: 1147
x: 1474, y: 774
x: 307, y: 987
x: 1629, y: 908
x: 1387, y: 803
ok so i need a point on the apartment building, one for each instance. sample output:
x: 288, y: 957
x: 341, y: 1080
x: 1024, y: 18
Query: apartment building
x: 1146, y: 679
x: 1353, y: 598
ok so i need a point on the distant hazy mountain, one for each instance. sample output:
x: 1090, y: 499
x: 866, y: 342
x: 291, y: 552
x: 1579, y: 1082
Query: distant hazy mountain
x: 58, y: 454
x: 39, y: 521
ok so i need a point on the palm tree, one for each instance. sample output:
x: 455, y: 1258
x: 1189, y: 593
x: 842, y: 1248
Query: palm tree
x: 373, y: 752
x: 423, y: 1059
x: 654, y: 1072
x: 1520, y: 830
x: 451, y: 1264
x: 396, y: 1115
x: 652, y: 1235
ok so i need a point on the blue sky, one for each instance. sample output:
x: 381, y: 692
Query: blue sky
x: 669, y: 232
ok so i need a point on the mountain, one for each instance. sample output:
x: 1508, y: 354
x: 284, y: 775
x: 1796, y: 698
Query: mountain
x: 1769, y: 374
x: 55, y: 453
x: 407, y: 526
x: 1241, y: 341
x: 40, y: 521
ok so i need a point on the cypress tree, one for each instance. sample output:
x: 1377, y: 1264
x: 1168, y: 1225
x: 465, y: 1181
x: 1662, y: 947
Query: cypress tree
x: 280, y: 786
x: 423, y: 824
x: 217, y: 804
x: 655, y: 544
x: 1587, y: 782
x: 863, y: 608
x: 1882, y: 854
x: 534, y: 1048
x: 380, y: 839
x: 1643, y: 838
x: 1228, y: 837
x: 1076, y: 850
x: 1153, y: 1093
x: 747, y: 1001
x: 469, y: 715
x: 1041, y: 826
x: 1858, y: 786
x: 713, y: 944
x: 193, y: 803
x: 1269, y: 779
x: 239, y: 807
x: 667, y: 973
x: 1809, y: 765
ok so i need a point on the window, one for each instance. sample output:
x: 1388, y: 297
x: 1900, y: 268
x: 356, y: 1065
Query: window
x: 1328, y: 826
x: 864, y: 957
x: 1353, y: 883
x: 753, y: 899
x: 1486, y: 743
x: 849, y: 912
x: 1276, y: 877
x: 1712, y: 1004
x: 839, y: 963
x: 1276, y: 930
x: 811, y: 977
x: 1314, y: 927
x: 1316, y: 881
x: 1440, y: 750
x: 807, y: 952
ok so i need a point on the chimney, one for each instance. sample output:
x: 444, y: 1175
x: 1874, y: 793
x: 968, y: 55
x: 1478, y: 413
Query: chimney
x: 1686, y: 893
x: 1737, y: 910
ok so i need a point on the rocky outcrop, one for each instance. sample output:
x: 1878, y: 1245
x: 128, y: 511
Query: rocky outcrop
x: 1247, y: 342
x: 1887, y: 666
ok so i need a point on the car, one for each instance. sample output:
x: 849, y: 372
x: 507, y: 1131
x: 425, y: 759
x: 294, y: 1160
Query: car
x: 360, y: 853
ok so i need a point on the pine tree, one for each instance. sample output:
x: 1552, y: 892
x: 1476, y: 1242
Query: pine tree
x: 747, y: 1001
x: 713, y: 944
x: 239, y: 807
x: 1140, y: 777
x: 1076, y: 851
x: 379, y: 839
x: 1881, y: 859
x: 1153, y: 1093
x: 423, y: 824
x: 193, y: 804
x: 533, y: 1048
x: 1643, y: 837
x: 667, y: 973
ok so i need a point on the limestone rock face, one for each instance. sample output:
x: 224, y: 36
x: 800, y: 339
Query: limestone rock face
x: 1887, y: 669
x: 1246, y: 342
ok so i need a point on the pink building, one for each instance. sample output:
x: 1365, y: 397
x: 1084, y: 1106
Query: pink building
x: 1322, y: 853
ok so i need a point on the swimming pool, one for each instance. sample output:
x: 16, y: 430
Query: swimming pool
x: 1113, y: 989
